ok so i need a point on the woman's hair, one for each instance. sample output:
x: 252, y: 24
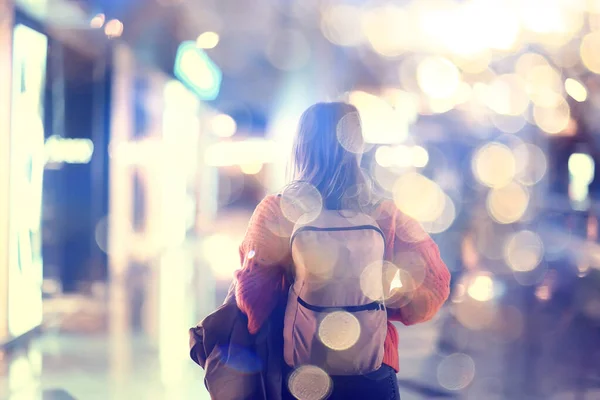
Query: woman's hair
x: 327, y: 152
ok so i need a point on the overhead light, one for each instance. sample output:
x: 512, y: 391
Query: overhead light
x: 196, y: 69
x: 208, y: 40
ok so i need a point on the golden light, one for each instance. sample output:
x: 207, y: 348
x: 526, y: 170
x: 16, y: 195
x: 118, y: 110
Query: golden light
x: 208, y: 40
x: 532, y: 163
x: 113, y: 28
x: 544, y: 86
x: 381, y: 124
x: 527, y: 62
x: 251, y: 169
x: 553, y: 120
x: 223, y: 125
x: 438, y: 77
x: 309, y: 382
x: 220, y: 252
x: 98, y: 21
x: 589, y: 51
x: 494, y: 165
x: 576, y: 90
x: 445, y: 220
x: 339, y: 330
x: 508, y: 204
x: 508, y: 123
x: 418, y: 197
x: 523, y: 251
x: 481, y: 287
x: 507, y: 95
x: 388, y: 29
x: 474, y: 63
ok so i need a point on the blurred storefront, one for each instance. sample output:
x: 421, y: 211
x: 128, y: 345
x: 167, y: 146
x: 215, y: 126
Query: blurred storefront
x: 23, y: 137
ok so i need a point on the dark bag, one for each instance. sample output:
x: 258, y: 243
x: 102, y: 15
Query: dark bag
x: 239, y: 365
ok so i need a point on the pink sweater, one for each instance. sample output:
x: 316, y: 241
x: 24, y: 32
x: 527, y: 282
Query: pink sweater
x: 266, y: 256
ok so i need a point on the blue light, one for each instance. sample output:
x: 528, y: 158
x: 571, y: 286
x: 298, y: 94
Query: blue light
x: 195, y: 69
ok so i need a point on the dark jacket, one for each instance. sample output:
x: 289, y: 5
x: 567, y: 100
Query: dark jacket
x: 239, y: 365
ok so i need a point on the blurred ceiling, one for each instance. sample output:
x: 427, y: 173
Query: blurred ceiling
x: 262, y: 44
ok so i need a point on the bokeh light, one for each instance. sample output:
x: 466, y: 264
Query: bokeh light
x: 553, y: 120
x: 113, y: 28
x: 524, y: 251
x: 507, y: 95
x: 349, y: 133
x: 456, y: 371
x: 98, y: 21
x: 419, y: 197
x: 531, y: 163
x: 589, y: 51
x: 339, y: 330
x: 494, y: 165
x: 508, y: 204
x: 223, y: 125
x: 381, y: 123
x: 576, y: 90
x: 481, y: 287
x: 301, y: 203
x: 341, y: 23
x: 438, y: 77
x: 309, y: 382
x: 207, y: 40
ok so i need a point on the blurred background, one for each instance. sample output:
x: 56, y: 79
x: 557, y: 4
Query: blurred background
x: 137, y: 136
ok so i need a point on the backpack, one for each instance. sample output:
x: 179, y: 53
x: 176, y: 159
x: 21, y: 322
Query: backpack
x: 335, y: 317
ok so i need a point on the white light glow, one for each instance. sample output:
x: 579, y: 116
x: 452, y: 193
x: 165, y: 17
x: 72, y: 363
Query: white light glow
x: 208, y: 40
x: 244, y: 152
x: 70, y: 151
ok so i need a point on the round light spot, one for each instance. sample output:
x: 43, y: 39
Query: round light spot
x: 340, y: 24
x: 531, y: 164
x: 494, y: 165
x: 309, y: 382
x: 418, y: 197
x: 445, y: 220
x: 371, y: 283
x: 533, y: 277
x: 507, y: 95
x: 589, y: 51
x: 481, y: 287
x: 508, y: 204
x: 438, y: 77
x: 456, y: 371
x: 301, y: 202
x: 508, y: 123
x: 555, y: 119
x: 339, y: 330
x: 223, y: 125
x: 523, y: 251
x: 544, y: 86
x: 349, y: 133
x: 576, y: 90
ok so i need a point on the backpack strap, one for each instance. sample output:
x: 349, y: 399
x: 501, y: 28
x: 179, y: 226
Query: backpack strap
x: 333, y: 229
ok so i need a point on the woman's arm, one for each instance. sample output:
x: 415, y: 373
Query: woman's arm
x: 426, y: 284
x: 264, y: 255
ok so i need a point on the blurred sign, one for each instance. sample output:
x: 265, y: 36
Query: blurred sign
x: 195, y: 68
x: 26, y: 173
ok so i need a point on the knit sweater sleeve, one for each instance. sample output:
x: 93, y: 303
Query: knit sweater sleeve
x: 264, y: 255
x: 424, y: 276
